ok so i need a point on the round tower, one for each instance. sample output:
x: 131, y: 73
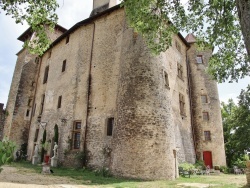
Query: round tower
x: 143, y: 140
x: 209, y: 139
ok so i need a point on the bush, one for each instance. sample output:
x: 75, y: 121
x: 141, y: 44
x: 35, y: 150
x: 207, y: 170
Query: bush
x: 105, y: 172
x: 200, y: 165
x: 225, y: 169
x: 241, y: 162
x: 187, y: 166
x: 7, y: 148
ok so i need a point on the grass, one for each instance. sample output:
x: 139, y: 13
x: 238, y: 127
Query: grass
x: 87, y: 177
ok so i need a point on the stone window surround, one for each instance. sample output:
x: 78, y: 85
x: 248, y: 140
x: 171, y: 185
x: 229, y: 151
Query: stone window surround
x: 64, y: 65
x: 180, y: 71
x: 205, y: 116
x: 182, y: 104
x: 204, y: 99
x: 46, y: 74
x: 199, y: 59
x: 207, y: 135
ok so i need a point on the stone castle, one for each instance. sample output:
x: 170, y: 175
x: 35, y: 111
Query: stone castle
x: 137, y: 114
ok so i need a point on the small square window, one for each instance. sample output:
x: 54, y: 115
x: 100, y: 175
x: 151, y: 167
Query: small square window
x: 110, y: 125
x: 182, y: 104
x: 207, y: 135
x: 205, y: 116
x: 199, y: 59
x: 204, y: 99
x: 67, y: 39
x: 64, y: 65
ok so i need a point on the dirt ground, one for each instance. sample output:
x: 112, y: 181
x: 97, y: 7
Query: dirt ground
x: 12, y: 177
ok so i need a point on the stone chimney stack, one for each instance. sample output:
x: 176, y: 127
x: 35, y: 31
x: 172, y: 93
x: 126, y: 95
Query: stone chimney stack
x: 102, y: 5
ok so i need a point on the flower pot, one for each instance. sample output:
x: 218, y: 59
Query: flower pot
x: 46, y: 159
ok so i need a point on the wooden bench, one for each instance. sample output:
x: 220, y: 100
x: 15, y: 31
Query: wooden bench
x: 183, y: 172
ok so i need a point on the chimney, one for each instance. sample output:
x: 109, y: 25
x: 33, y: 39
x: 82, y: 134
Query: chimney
x: 102, y: 5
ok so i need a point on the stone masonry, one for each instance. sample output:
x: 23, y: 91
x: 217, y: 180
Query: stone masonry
x: 115, y: 105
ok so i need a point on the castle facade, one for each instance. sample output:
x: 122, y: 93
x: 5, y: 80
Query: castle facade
x: 98, y: 85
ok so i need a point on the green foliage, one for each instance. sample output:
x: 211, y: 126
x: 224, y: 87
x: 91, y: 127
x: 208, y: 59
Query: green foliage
x: 241, y: 161
x: 236, y: 121
x: 40, y: 15
x: 225, y: 169
x: 105, y: 172
x: 7, y: 148
x: 213, y: 22
x: 187, y: 166
x: 200, y: 165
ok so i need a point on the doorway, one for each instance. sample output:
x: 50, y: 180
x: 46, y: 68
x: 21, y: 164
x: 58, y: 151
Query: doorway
x: 207, y: 157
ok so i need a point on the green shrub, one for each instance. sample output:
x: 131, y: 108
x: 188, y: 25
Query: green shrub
x: 200, y: 165
x: 7, y: 148
x: 105, y: 172
x: 225, y: 169
x: 241, y: 162
x: 187, y: 166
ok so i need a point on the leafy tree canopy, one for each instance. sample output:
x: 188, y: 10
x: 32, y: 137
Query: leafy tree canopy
x: 40, y: 15
x: 236, y: 125
x: 214, y: 23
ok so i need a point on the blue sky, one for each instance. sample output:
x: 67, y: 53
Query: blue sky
x: 69, y: 12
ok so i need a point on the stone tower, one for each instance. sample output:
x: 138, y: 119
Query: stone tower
x: 208, y: 129
x: 20, y: 105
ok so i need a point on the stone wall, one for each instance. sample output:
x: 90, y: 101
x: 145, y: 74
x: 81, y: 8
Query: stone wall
x: 2, y: 119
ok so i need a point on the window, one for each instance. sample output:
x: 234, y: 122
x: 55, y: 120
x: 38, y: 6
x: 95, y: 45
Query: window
x: 110, y: 125
x: 67, y: 39
x: 34, y: 110
x: 64, y: 65
x: 29, y: 102
x: 76, y: 135
x: 207, y: 135
x: 166, y: 80
x: 27, y: 113
x: 59, y: 101
x: 180, y: 70
x: 36, y: 135
x: 42, y: 104
x: 203, y: 98
x: 46, y: 73
x: 205, y: 116
x: 50, y: 52
x: 37, y: 60
x: 182, y: 104
x: 199, y: 59
x: 178, y: 46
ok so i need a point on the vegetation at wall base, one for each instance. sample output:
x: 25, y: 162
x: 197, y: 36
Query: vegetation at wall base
x: 89, y: 177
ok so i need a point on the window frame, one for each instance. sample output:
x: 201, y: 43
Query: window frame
x: 207, y: 135
x: 180, y: 70
x: 166, y: 80
x: 206, y: 99
x: 76, y: 131
x: 201, y: 59
x: 205, y: 114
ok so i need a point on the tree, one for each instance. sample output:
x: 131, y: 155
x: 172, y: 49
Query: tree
x: 40, y: 15
x: 236, y: 125
x: 212, y: 21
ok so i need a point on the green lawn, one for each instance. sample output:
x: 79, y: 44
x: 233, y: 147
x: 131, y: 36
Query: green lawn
x: 87, y: 177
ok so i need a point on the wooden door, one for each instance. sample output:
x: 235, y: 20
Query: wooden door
x: 207, y: 157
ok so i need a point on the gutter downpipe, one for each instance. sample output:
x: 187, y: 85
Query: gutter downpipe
x: 88, y: 98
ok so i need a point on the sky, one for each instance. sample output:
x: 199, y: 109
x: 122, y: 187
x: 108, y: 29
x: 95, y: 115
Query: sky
x: 70, y: 12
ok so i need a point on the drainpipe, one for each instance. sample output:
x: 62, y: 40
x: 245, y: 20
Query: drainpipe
x: 88, y: 98
x: 190, y: 101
